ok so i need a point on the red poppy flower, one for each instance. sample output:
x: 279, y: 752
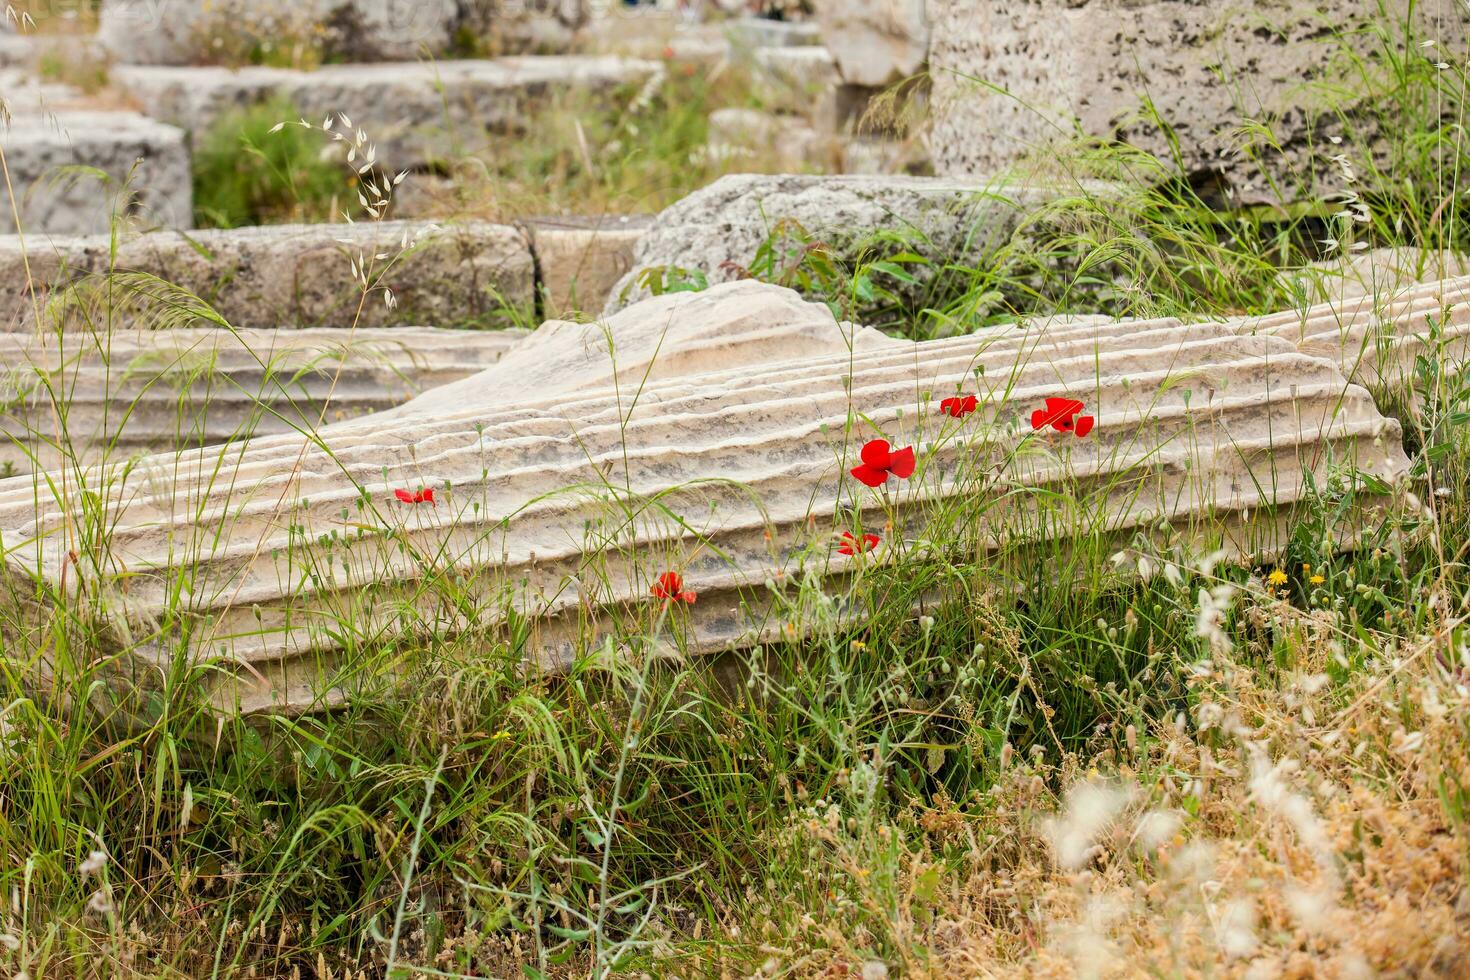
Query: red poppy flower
x: 959, y: 406
x: 853, y: 545
x: 879, y: 462
x: 1062, y: 415
x: 670, y: 588
x: 424, y: 496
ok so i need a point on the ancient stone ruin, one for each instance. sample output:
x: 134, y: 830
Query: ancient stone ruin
x: 708, y: 433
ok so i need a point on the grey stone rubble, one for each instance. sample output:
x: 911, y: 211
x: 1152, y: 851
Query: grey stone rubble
x: 717, y: 231
x: 416, y: 113
x: 1010, y: 79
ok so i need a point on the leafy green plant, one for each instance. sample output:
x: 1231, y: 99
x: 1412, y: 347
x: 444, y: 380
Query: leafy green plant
x: 245, y: 173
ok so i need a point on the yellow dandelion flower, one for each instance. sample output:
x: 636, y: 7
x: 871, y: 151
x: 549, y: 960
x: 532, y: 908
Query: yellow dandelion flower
x: 1317, y: 579
x: 1278, y: 577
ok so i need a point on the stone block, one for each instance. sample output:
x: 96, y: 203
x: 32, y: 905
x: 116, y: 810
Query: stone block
x: 580, y: 260
x: 716, y: 231
x: 299, y: 275
x: 876, y: 43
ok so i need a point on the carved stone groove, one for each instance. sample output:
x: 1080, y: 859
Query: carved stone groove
x: 146, y: 392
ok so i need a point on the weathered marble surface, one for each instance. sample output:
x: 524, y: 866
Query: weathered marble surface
x: 876, y: 42
x: 580, y: 260
x: 1376, y: 332
x: 129, y: 393
x: 718, y: 229
x: 708, y: 434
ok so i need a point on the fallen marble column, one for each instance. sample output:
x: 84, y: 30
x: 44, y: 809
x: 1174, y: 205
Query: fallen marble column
x: 1181, y: 81
x: 1376, y: 335
x: 709, y: 435
x: 76, y: 398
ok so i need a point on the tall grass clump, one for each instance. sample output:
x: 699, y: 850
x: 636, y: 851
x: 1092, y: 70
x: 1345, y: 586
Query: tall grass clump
x: 246, y: 174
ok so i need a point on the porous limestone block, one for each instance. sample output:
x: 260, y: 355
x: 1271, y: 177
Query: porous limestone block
x: 709, y: 434
x: 1011, y: 78
x: 876, y: 42
x: 579, y: 260
x: 132, y: 392
x: 128, y: 167
x: 200, y: 32
x: 716, y: 231
x: 415, y: 113
x: 474, y: 273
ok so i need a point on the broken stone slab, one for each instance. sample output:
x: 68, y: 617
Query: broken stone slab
x: 132, y: 393
x: 559, y: 507
x: 201, y: 32
x: 129, y: 168
x: 580, y: 260
x: 1377, y: 337
x: 674, y: 335
x: 714, y: 234
x: 417, y: 113
x: 1011, y: 79
x: 876, y: 43
x: 470, y: 274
